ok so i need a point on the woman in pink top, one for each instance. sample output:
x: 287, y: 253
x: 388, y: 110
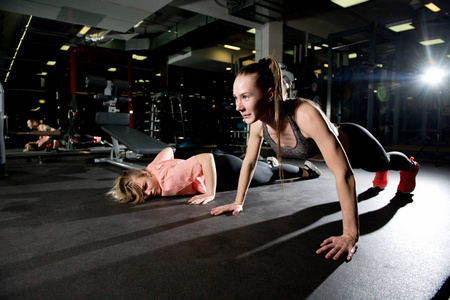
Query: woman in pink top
x: 200, y: 175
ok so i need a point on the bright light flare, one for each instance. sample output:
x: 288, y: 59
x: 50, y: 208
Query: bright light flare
x: 433, y: 75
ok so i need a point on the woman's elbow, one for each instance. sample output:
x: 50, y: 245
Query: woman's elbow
x: 204, y: 157
x: 346, y: 176
x: 349, y: 178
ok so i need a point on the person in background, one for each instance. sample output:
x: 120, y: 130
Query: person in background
x: 44, y: 142
x: 201, y: 175
x: 298, y: 128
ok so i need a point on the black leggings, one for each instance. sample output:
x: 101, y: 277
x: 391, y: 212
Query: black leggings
x: 366, y: 152
x: 228, y: 168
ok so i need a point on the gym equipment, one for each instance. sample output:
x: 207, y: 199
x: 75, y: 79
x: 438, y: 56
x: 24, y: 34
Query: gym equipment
x: 2, y: 134
x: 367, y: 69
x: 40, y: 133
x: 167, y: 117
x: 288, y: 80
x: 116, y: 124
x: 137, y: 142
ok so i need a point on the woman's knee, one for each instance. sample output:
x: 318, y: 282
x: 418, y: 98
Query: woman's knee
x: 399, y: 161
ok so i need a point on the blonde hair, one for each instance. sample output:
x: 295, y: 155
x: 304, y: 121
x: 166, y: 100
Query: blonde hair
x: 267, y: 74
x: 125, y: 190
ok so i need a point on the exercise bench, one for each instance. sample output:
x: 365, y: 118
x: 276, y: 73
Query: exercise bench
x: 136, y: 142
x: 116, y: 124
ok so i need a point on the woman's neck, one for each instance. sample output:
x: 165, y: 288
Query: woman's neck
x: 269, y: 119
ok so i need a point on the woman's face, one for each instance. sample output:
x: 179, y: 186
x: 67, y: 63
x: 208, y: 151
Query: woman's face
x: 148, y: 185
x: 251, y: 101
x: 31, y: 124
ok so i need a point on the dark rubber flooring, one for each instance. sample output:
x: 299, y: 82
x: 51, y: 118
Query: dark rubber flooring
x: 62, y: 238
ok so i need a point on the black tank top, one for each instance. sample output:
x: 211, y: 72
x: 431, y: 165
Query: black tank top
x: 304, y: 148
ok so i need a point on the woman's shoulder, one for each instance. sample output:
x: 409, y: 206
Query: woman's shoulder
x: 307, y: 113
x: 257, y: 128
x: 295, y: 106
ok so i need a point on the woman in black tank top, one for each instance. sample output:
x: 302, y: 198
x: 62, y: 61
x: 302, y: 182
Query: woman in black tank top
x: 260, y: 98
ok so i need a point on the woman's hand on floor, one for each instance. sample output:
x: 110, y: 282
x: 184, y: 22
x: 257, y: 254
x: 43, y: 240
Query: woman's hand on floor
x: 235, y: 208
x: 338, y: 246
x: 201, y: 199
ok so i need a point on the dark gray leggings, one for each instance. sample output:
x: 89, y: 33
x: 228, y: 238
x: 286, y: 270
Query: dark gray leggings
x: 228, y: 168
x: 367, y: 153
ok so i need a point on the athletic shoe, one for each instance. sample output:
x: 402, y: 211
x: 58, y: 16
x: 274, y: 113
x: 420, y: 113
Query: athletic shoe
x: 380, y: 181
x: 272, y: 161
x: 313, y: 171
x: 408, y: 178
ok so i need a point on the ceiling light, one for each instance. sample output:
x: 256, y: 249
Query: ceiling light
x: 112, y: 69
x: 352, y: 55
x: 232, y: 47
x: 51, y: 63
x: 253, y: 31
x: 17, y: 49
x: 42, y: 74
x: 433, y: 75
x: 348, y: 3
x: 228, y: 69
x: 97, y: 36
x: 83, y: 31
x: 432, y: 42
x: 317, y: 48
x: 139, y: 57
x: 432, y: 7
x: 64, y: 47
x: 400, y: 26
x: 139, y: 23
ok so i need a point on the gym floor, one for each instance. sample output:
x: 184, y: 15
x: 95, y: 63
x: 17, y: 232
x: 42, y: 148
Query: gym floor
x: 62, y: 238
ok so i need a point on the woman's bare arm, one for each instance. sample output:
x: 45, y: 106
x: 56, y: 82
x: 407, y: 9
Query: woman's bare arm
x: 247, y: 171
x: 315, y: 125
x: 206, y: 161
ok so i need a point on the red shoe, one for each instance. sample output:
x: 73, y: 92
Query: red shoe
x: 408, y: 178
x: 380, y: 181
